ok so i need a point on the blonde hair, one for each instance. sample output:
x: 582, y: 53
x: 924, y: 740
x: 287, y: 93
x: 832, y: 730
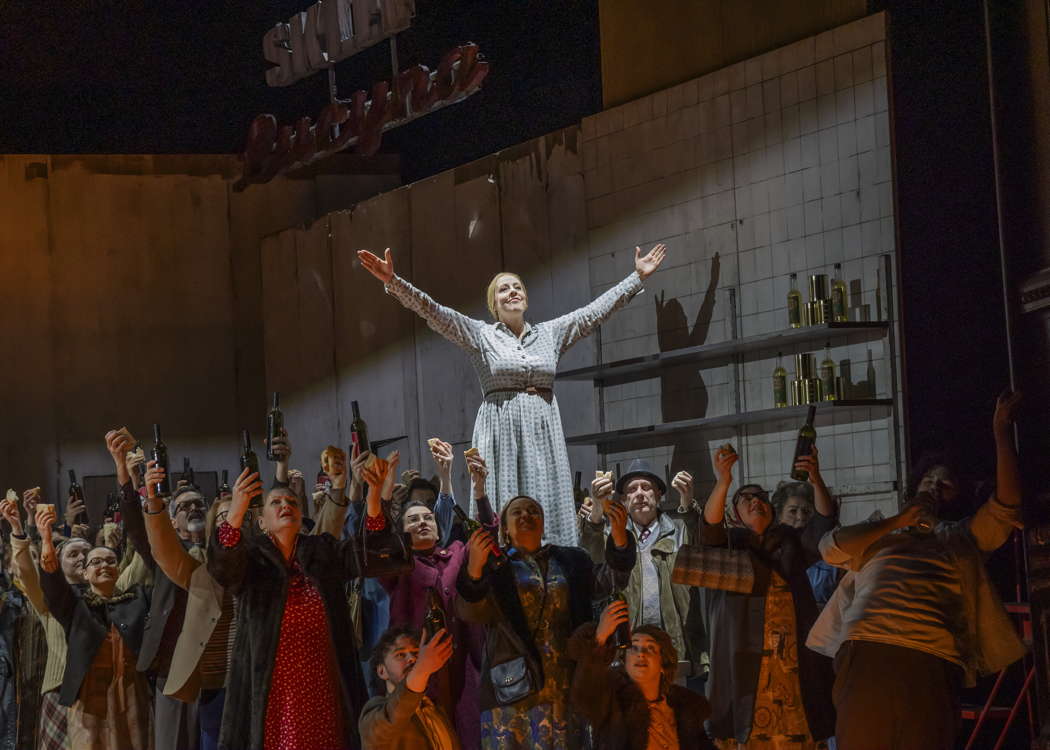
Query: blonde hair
x: 490, y: 295
x: 328, y: 453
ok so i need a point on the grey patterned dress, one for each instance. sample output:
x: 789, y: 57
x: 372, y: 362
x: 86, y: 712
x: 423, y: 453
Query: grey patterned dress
x: 520, y: 434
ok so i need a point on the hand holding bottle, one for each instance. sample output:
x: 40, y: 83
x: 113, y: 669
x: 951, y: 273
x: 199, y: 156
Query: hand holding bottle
x: 74, y: 508
x: 479, y: 547
x: 810, y: 465
x: 155, y: 476
x: 247, y: 487
x: 613, y: 616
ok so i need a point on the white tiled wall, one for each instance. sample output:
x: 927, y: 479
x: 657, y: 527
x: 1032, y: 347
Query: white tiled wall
x: 778, y: 164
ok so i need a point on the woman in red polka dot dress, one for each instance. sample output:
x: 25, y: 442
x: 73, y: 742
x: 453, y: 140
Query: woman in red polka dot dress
x: 295, y: 682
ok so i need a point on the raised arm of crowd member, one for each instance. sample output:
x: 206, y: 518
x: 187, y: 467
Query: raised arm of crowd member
x: 380, y: 490
x: 21, y: 555
x: 357, y: 493
x: 165, y: 547
x: 283, y: 450
x: 332, y: 514
x: 59, y: 598
x: 592, y: 528
x: 228, y: 560
x: 628, y: 704
x: 403, y: 717
x: 118, y: 443
x: 712, y: 530
x: 444, y: 457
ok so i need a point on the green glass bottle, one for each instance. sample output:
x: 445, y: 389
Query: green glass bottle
x: 794, y: 303
x: 780, y: 385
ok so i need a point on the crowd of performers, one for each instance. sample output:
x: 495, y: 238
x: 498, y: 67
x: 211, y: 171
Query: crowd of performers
x: 371, y: 612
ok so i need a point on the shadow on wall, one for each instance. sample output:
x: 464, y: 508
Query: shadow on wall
x: 683, y: 393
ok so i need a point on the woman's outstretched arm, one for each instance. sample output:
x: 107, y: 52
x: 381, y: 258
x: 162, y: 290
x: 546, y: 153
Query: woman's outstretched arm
x: 570, y: 328
x: 453, y: 325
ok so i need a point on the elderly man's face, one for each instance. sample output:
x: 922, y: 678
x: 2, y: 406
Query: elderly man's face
x: 643, y: 498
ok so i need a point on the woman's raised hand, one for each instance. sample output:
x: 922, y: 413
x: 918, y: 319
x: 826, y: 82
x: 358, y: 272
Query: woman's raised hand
x: 247, y: 486
x: 381, y: 269
x: 646, y: 264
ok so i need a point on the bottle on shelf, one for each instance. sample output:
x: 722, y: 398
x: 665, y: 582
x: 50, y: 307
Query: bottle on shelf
x: 359, y: 430
x: 827, y: 375
x: 224, y: 485
x: 187, y: 470
x: 794, y: 303
x: 274, y: 426
x: 434, y: 619
x: 76, y: 492
x: 819, y: 305
x: 839, y: 297
x: 807, y: 437
x: 806, y: 386
x: 780, y: 384
x: 160, y: 455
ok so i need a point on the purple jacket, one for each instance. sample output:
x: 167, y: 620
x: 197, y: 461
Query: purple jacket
x: 408, y: 604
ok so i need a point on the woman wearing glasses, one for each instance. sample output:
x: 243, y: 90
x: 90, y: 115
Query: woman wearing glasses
x: 108, y: 698
x: 766, y: 689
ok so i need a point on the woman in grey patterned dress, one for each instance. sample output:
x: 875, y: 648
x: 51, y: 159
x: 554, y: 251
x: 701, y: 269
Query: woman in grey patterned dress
x: 518, y: 427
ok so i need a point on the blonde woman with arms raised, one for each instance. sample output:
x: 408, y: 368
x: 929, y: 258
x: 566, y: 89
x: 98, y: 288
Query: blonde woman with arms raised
x: 518, y: 426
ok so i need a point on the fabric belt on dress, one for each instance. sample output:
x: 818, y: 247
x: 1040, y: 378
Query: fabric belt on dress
x: 530, y: 389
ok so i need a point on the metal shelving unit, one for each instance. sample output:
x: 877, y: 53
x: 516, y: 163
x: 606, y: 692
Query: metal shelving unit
x: 794, y: 414
x: 733, y: 352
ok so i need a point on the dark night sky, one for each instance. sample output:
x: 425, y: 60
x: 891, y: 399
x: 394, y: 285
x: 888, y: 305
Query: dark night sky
x: 134, y: 77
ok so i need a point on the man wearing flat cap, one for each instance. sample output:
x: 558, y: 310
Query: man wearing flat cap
x: 651, y: 596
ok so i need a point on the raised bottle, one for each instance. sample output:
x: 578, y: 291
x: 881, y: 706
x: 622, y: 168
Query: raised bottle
x: 160, y: 455
x: 807, y: 438
x: 359, y: 430
x: 274, y: 425
x: 496, y: 559
x: 249, y: 460
x: 76, y: 492
x: 780, y: 383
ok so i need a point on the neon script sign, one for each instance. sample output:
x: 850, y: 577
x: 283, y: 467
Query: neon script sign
x: 360, y: 120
